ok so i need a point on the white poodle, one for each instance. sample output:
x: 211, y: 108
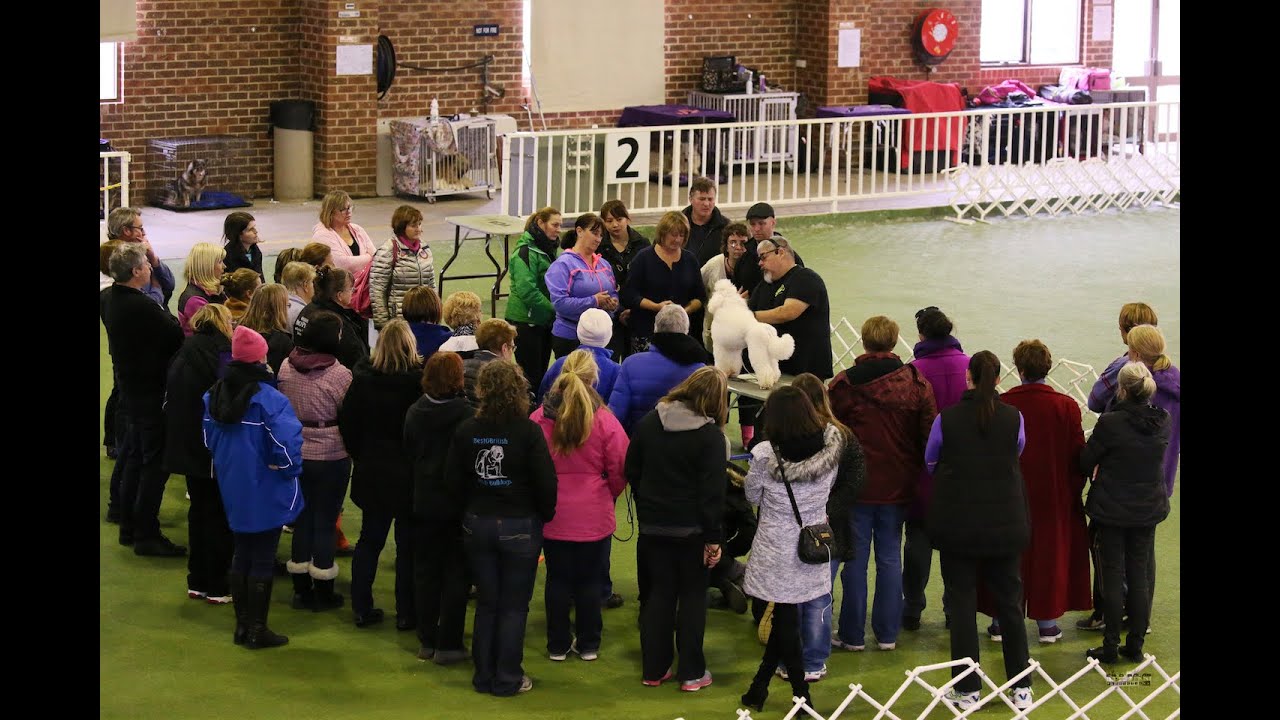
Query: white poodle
x: 734, y: 327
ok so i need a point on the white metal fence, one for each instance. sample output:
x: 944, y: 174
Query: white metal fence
x: 113, y: 181
x: 1054, y: 159
x: 1147, y: 674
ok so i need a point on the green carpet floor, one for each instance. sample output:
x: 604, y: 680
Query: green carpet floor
x: 1063, y: 280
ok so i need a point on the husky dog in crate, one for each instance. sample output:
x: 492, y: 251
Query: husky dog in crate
x: 190, y: 185
x: 734, y: 327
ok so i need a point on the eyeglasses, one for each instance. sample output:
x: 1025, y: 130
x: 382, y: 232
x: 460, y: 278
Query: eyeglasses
x: 922, y: 311
x: 139, y: 228
x: 346, y: 209
x: 737, y: 243
x: 767, y: 253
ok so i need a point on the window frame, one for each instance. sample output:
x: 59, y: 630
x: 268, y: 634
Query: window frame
x: 117, y: 73
x: 1025, y: 57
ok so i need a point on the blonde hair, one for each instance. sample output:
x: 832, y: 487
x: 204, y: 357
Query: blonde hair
x: 397, y: 349
x: 578, y: 402
x: 1147, y: 342
x: 705, y: 392
x: 202, y: 267
x: 461, y: 308
x: 268, y: 309
x: 334, y: 201
x: 1135, y: 383
x: 213, y: 314
x: 879, y: 334
x: 296, y: 274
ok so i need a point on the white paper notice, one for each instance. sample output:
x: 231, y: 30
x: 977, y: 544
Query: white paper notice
x: 355, y: 59
x: 850, y: 51
x: 1101, y: 22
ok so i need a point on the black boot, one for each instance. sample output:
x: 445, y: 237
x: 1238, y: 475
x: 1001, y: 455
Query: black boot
x: 754, y: 697
x: 326, y: 598
x: 259, y: 635
x: 304, y: 596
x: 240, y: 597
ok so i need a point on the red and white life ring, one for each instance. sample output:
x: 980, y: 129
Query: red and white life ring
x: 933, y: 35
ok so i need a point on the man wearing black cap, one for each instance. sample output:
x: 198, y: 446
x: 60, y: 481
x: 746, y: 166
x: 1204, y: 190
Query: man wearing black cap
x: 793, y: 298
x: 746, y: 274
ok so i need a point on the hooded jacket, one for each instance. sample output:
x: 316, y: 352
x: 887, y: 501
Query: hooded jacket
x: 529, y: 302
x: 943, y: 363
x: 589, y: 479
x: 645, y: 377
x: 704, y: 240
x: 429, y: 425
x: 371, y: 421
x: 572, y: 282
x: 199, y: 363
x: 1127, y: 449
x: 890, y: 407
x: 249, y: 427
x: 774, y: 570
x: 675, y: 465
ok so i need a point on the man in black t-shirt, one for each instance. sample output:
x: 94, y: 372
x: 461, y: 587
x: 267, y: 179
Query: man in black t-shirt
x: 793, y: 298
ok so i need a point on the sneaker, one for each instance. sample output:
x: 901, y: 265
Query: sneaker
x: 910, y: 622
x: 287, y: 529
x: 696, y: 685
x: 887, y: 646
x: 216, y: 599
x: 815, y: 675
x: 1104, y: 654
x: 782, y: 673
x: 1093, y: 622
x: 526, y: 684
x: 613, y: 602
x: 993, y: 632
x: 1050, y: 635
x: 838, y: 643
x: 195, y: 595
x: 1022, y: 698
x: 962, y: 700
x: 587, y: 655
x: 656, y: 683
x: 558, y: 656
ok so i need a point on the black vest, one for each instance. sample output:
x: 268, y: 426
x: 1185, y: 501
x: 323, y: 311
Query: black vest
x: 979, y: 504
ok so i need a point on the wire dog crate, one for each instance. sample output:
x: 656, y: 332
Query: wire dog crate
x: 199, y: 173
x: 755, y: 145
x: 444, y: 157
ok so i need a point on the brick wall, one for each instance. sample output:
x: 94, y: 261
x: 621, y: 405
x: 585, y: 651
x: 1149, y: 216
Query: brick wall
x: 213, y: 68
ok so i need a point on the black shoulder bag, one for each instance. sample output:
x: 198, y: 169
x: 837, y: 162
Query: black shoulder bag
x: 816, y: 541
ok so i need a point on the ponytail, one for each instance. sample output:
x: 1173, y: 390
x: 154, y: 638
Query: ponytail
x: 1135, y: 383
x: 984, y: 369
x: 578, y: 402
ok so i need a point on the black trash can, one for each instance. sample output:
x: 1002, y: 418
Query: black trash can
x: 293, y: 126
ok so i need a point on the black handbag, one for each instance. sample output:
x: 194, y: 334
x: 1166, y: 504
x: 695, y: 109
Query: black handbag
x: 817, y: 543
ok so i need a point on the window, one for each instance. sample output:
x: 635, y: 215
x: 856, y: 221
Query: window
x: 1030, y: 32
x: 109, y: 72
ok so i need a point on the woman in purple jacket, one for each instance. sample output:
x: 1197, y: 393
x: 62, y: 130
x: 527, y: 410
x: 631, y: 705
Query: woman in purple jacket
x: 578, y: 280
x: 941, y: 360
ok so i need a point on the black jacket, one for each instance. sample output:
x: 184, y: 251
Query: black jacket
x: 371, y: 420
x: 621, y: 261
x: 237, y: 258
x: 197, y: 366
x: 142, y: 338
x: 850, y: 479
x: 1127, y: 448
x: 680, y: 348
x: 279, y: 345
x: 502, y: 469
x: 979, y: 504
x: 354, y: 345
x: 704, y: 240
x: 429, y: 425
x: 675, y: 464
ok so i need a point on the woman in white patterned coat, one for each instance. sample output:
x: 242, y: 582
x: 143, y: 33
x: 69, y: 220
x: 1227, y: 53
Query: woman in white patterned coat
x: 402, y: 263
x: 806, y: 451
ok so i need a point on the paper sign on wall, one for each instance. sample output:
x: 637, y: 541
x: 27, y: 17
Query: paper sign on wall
x: 355, y: 59
x: 850, y: 50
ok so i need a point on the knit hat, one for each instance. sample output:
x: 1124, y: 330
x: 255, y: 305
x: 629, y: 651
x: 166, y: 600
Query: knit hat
x: 248, y: 346
x: 595, y: 328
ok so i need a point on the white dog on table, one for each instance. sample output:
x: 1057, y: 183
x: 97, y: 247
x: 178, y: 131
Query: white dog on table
x: 734, y: 327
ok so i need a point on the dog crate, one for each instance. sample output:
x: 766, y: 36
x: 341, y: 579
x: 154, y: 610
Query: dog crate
x: 755, y: 145
x: 444, y: 157
x: 198, y: 173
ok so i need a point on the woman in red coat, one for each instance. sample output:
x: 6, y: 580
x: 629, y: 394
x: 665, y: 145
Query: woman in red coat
x: 1055, y: 566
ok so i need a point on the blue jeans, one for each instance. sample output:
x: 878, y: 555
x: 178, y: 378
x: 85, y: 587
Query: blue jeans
x: 324, y: 484
x: 503, y: 552
x: 815, y: 632
x: 881, y: 524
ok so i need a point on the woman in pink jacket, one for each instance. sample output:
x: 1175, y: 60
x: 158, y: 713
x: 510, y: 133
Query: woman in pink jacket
x: 588, y: 446
x: 351, y: 246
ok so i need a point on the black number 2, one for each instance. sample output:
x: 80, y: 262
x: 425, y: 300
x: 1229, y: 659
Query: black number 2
x: 624, y: 170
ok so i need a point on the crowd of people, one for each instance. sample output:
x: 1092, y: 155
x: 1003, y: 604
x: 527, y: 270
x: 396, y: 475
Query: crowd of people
x: 460, y: 435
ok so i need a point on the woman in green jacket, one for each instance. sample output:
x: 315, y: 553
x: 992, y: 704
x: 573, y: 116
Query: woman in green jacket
x: 529, y: 306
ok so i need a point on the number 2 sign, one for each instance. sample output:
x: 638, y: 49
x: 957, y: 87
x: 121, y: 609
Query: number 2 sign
x: 626, y: 157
